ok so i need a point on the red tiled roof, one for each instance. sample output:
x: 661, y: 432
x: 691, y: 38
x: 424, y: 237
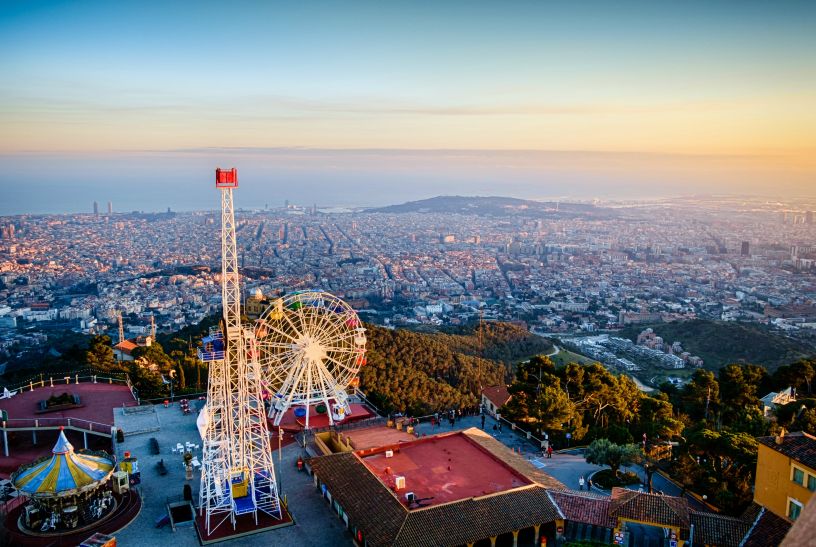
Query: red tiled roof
x: 375, y: 510
x: 798, y: 446
x: 125, y: 346
x: 719, y: 530
x: 498, y: 395
x: 584, y: 507
x: 769, y: 529
x: 641, y: 506
x: 473, y: 519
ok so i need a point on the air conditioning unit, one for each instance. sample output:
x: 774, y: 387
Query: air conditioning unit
x: 410, y: 497
x: 389, y: 453
x: 399, y: 482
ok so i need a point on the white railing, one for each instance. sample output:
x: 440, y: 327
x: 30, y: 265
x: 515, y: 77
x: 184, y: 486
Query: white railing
x: 67, y: 378
x: 28, y: 424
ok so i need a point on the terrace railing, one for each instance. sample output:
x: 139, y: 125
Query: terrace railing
x: 67, y: 378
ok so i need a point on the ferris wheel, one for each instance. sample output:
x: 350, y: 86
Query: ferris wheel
x: 311, y: 346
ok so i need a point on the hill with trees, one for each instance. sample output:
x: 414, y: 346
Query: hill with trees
x: 715, y: 418
x: 420, y: 373
x: 719, y: 343
x: 496, y: 340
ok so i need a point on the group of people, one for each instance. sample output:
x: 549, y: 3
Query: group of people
x: 450, y: 415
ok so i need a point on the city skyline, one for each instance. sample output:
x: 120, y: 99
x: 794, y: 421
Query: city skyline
x: 374, y: 104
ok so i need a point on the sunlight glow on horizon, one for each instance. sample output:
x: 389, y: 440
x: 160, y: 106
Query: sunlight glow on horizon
x: 732, y: 82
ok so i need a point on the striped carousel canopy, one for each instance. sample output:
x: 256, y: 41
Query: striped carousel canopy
x: 65, y: 473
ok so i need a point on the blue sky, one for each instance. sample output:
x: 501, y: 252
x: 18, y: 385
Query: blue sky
x: 364, y: 102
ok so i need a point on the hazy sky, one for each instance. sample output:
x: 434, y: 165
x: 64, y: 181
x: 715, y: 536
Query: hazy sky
x: 376, y: 102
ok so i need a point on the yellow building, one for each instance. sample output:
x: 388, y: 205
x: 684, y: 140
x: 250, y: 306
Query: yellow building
x: 255, y: 304
x: 786, y: 473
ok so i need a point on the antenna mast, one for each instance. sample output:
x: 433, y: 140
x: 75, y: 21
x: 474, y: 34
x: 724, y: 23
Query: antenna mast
x: 121, y: 329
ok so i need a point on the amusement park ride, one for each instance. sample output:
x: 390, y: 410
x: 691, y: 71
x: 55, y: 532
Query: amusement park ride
x: 312, y: 346
x: 305, y: 350
x: 237, y: 476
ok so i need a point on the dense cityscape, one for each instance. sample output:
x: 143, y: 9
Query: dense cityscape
x: 407, y: 274
x: 560, y: 273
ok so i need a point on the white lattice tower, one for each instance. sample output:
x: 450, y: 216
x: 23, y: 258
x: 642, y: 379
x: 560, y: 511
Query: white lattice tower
x: 214, y: 494
x: 239, y: 446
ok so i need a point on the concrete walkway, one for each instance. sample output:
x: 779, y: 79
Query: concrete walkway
x: 315, y: 524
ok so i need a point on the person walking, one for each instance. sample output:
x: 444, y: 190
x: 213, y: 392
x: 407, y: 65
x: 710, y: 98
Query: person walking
x: 549, y: 451
x: 581, y: 483
x: 483, y: 420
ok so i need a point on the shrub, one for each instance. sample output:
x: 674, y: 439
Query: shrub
x: 606, y: 479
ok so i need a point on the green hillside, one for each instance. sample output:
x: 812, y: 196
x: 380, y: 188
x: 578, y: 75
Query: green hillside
x: 499, y: 341
x: 420, y: 373
x: 720, y: 343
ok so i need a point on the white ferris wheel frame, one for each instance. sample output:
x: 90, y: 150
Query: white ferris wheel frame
x: 311, y: 346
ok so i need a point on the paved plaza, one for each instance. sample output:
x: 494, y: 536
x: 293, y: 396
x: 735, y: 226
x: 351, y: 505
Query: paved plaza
x: 315, y: 523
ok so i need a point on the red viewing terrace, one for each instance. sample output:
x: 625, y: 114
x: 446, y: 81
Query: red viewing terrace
x: 442, y: 469
x: 95, y: 414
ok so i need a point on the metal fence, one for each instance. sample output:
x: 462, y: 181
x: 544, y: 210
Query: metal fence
x: 67, y: 378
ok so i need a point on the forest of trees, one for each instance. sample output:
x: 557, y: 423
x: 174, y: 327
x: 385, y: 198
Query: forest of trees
x: 715, y: 418
x: 505, y: 342
x: 419, y: 373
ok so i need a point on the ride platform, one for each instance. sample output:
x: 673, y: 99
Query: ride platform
x: 244, y: 526
x: 291, y: 423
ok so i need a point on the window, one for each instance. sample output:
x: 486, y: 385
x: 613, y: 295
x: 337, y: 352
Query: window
x: 794, y: 508
x: 798, y: 476
x: 811, y: 485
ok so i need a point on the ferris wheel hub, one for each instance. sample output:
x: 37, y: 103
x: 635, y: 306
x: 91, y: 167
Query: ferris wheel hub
x: 311, y: 348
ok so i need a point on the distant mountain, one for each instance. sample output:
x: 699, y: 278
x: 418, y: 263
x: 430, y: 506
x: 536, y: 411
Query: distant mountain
x: 494, y: 206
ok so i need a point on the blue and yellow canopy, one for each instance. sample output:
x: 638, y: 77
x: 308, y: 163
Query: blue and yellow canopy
x: 64, y: 474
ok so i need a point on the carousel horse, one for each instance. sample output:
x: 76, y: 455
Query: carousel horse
x: 50, y: 523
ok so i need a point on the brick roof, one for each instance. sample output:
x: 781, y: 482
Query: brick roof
x: 768, y: 529
x: 384, y: 520
x: 126, y: 346
x: 369, y: 504
x: 498, y: 395
x: 584, y: 507
x: 719, y: 530
x: 798, y: 446
x: 473, y: 519
x: 665, y: 510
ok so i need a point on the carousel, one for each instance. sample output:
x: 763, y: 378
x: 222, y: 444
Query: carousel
x: 67, y: 491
